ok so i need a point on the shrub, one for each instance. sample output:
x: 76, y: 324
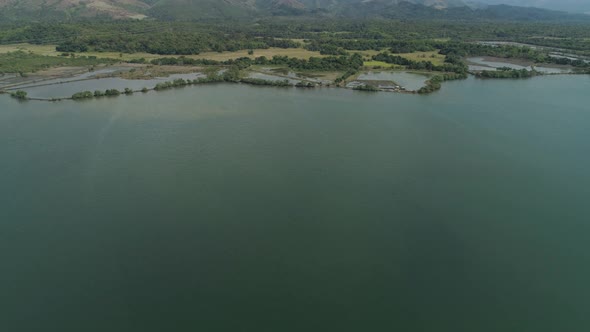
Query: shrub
x: 20, y: 95
x: 82, y: 95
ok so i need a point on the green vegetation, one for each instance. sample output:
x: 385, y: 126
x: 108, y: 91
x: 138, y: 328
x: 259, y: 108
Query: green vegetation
x: 82, y: 95
x: 112, y: 92
x: 257, y: 81
x: 434, y: 83
x: 461, y: 49
x: 172, y: 84
x: 452, y: 64
x: 20, y: 95
x: 305, y: 85
x: 506, y: 72
x: 345, y: 76
x: 330, y: 63
x: 366, y: 87
x: 23, y: 62
x: 346, y: 46
x: 329, y: 36
x: 236, y: 10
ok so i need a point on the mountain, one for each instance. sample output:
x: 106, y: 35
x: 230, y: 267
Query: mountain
x: 573, y: 6
x: 38, y: 10
x: 66, y: 9
x: 199, y: 9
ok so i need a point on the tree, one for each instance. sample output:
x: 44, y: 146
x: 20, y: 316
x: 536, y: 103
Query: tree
x: 20, y: 95
x: 82, y: 95
x: 112, y: 92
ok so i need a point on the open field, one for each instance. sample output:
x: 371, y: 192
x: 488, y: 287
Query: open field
x: 299, y: 53
x: 37, y: 49
x: 25, y: 62
x: 379, y: 64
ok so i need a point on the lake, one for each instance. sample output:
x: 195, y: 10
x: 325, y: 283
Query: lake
x: 239, y: 208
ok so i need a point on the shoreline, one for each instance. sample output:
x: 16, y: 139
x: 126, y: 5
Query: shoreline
x: 146, y: 90
x: 135, y: 72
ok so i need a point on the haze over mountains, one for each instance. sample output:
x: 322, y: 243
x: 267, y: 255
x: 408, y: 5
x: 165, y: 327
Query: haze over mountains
x: 11, y: 10
x: 574, y: 6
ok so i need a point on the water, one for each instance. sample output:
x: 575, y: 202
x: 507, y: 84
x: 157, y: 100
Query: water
x: 411, y: 81
x: 239, y: 208
x: 64, y: 88
x: 496, y: 64
x: 485, y: 64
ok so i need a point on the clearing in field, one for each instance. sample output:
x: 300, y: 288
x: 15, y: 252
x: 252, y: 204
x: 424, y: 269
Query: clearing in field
x: 381, y: 64
x: 29, y: 48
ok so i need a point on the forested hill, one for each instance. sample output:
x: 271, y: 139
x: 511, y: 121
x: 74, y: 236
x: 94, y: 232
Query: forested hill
x: 189, y: 10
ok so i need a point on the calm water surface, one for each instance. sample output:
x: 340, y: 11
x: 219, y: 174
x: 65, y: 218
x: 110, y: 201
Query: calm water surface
x: 238, y: 208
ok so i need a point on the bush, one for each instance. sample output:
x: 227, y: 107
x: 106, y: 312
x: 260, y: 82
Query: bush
x: 20, y: 95
x: 367, y: 87
x: 82, y: 95
x: 112, y: 92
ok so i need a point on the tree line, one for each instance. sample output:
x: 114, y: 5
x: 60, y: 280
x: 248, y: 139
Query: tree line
x: 330, y: 63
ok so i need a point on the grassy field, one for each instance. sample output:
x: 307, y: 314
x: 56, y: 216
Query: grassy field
x: 36, y: 49
x: 53, y: 58
x: 379, y: 64
x: 299, y: 53
x: 433, y: 56
x: 23, y: 62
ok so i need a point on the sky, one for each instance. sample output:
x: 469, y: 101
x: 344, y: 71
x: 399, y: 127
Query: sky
x: 578, y: 6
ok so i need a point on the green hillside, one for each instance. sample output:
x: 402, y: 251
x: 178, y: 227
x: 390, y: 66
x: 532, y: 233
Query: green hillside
x: 190, y: 10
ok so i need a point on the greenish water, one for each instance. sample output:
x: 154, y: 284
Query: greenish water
x: 238, y: 208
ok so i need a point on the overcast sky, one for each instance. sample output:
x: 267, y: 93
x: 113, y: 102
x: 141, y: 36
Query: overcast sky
x: 569, y: 5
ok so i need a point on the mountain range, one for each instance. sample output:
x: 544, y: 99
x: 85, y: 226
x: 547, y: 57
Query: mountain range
x: 573, y: 6
x: 39, y: 10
